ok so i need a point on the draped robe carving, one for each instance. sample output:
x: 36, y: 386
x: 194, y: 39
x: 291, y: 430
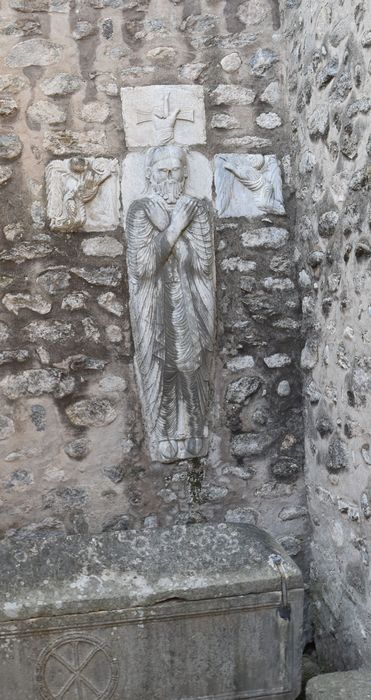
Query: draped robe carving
x: 172, y: 313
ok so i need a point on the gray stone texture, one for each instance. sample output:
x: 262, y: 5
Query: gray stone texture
x: 340, y: 686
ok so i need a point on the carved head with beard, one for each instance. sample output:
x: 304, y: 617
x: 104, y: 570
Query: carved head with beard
x: 166, y: 172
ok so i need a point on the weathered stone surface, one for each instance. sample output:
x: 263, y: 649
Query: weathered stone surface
x: 283, y: 389
x: 231, y: 63
x: 95, y: 112
x: 318, y: 123
x: 338, y: 457
x: 6, y: 281
x: 240, y: 390
x: 246, y: 142
x: 285, y: 469
x: 8, y: 106
x: 44, y: 112
x: 272, y: 93
x: 109, y: 302
x: 88, y: 143
x: 54, y: 281
x: 271, y: 238
x: 223, y: 121
x: 102, y: 246
x: 327, y: 223
x: 94, y: 412
x: 7, y: 427
x: 78, y: 449
x: 13, y: 232
x: 36, y: 382
x: 113, y: 383
x: 35, y: 302
x: 5, y: 174
x: 34, y: 52
x: 13, y: 83
x: 51, y: 331
x: 340, y: 686
x: 261, y: 61
x: 75, y: 301
x: 83, y: 29
x: 277, y: 360
x: 10, y: 146
x: 8, y: 356
x: 101, y: 276
x: 61, y: 84
x: 232, y: 95
x: 39, y: 5
x: 4, y: 332
x: 268, y: 120
x: 240, y: 363
x: 251, y: 444
x: 26, y: 251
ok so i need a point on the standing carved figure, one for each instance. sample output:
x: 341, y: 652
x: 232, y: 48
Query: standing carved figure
x: 171, y: 278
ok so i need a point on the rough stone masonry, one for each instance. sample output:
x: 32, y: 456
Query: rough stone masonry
x: 284, y: 89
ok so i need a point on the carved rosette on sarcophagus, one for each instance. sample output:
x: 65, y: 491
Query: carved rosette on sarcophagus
x: 166, y: 195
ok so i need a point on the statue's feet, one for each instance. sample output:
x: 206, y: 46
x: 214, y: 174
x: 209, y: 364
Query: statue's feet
x: 168, y: 449
x: 194, y: 446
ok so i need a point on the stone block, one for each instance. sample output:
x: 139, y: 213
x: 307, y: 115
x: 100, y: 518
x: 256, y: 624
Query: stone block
x: 248, y: 185
x: 155, y: 114
x: 340, y: 686
x: 182, y: 613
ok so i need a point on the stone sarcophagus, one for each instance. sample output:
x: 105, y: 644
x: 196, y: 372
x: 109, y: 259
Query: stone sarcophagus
x: 205, y: 612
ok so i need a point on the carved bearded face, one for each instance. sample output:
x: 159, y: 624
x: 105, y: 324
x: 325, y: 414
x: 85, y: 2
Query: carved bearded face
x: 167, y: 175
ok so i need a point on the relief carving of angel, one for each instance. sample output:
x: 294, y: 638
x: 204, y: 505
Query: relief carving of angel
x: 71, y: 185
x: 248, y: 185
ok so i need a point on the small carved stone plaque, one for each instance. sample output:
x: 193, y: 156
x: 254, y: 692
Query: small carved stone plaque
x: 159, y: 114
x: 83, y: 194
x: 248, y: 185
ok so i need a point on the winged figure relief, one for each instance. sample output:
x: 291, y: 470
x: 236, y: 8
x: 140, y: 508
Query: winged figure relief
x: 257, y: 174
x: 71, y: 185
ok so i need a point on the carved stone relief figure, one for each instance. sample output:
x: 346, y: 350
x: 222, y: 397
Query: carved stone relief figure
x: 248, y: 185
x: 159, y: 114
x: 83, y: 194
x: 172, y: 284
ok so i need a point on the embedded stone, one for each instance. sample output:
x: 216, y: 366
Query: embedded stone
x: 240, y: 363
x: 162, y: 55
x: 247, y: 142
x: 102, y: 246
x: 337, y: 456
x: 10, y: 146
x: 327, y: 73
x: 83, y: 29
x: 285, y: 469
x: 61, y: 84
x: 190, y: 72
x: 8, y: 356
x: 13, y: 232
x: 232, y: 264
x: 278, y: 284
x: 268, y: 120
x: 269, y: 237
x: 272, y: 93
x: 107, y: 84
x: 35, y: 382
x: 26, y: 251
x: 307, y: 162
x: 54, y: 281
x: 17, y: 302
x: 5, y: 281
x: 366, y: 453
x: 232, y: 95
x: 366, y: 39
x: 341, y: 88
x: 44, y: 112
x: 327, y: 223
x: 115, y: 473
x: 340, y: 686
x: 5, y: 174
x: 109, y: 302
x: 13, y: 83
x: 34, y: 52
x: 319, y: 121
x: 66, y: 142
x: 101, y: 276
x: 51, y: 331
x: 231, y: 63
x: 112, y: 383
x: 283, y: 389
x: 241, y: 516
x: 291, y: 544
x: 261, y: 61
x: 8, y: 106
x: 114, y: 333
x: 277, y: 360
x: 251, y: 444
x: 223, y: 121
x: 293, y: 513
x: 78, y: 449
x: 309, y: 355
x: 39, y: 5
x: 91, y: 330
x: 91, y: 413
x: 4, y: 332
x: 95, y: 112
x: 7, y: 427
x: 240, y: 390
x: 253, y: 12
x: 75, y: 301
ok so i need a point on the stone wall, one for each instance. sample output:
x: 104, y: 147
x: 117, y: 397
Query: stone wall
x: 329, y: 86
x: 73, y: 452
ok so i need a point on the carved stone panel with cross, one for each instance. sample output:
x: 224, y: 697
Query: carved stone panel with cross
x: 155, y: 115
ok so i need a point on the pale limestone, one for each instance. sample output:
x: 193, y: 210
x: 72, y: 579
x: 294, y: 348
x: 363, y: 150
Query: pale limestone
x: 45, y: 112
x: 232, y: 95
x: 231, y: 63
x: 102, y: 246
x: 34, y: 52
x: 95, y: 112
